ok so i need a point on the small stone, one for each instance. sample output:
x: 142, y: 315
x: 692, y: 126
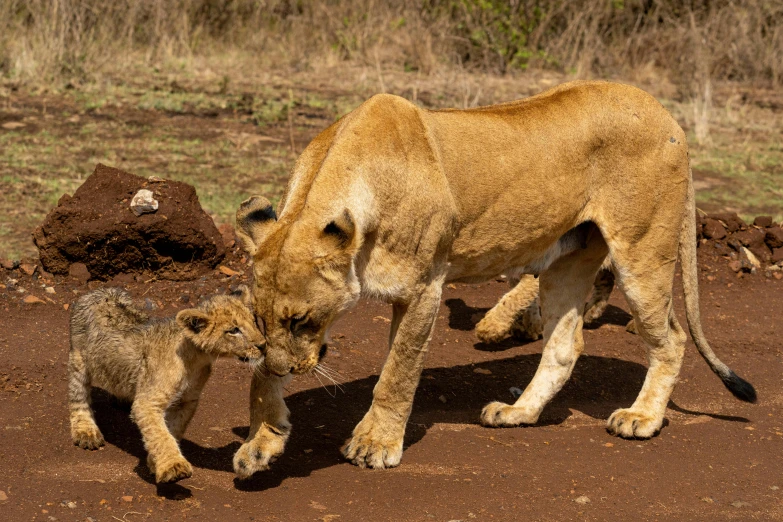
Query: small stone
x: 774, y: 237
x: 46, y: 276
x: 149, y: 304
x: 31, y: 299
x: 79, y: 272
x: 8, y: 264
x: 71, y: 504
x: 227, y: 233
x: 66, y: 306
x: 13, y: 125
x: 735, y: 265
x: 50, y: 290
x: 515, y: 392
x: 778, y: 275
x: 155, y: 179
x: 708, y: 500
x: 777, y: 256
x: 3, y: 496
x: 227, y: 271
x: 442, y: 399
x: 749, y: 261
x: 123, y: 278
x: 582, y: 500
x: 28, y: 268
x: 308, y: 451
x: 482, y: 371
x: 774, y: 488
x: 144, y: 202
x: 608, y: 445
x: 713, y: 229
x: 740, y: 504
x: 127, y: 498
x: 763, y: 221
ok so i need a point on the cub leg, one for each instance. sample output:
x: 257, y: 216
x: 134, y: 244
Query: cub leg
x: 602, y: 290
x: 518, y: 309
x: 84, y: 431
x: 564, y: 288
x: 180, y: 414
x: 269, y: 425
x: 377, y: 439
x: 163, y: 455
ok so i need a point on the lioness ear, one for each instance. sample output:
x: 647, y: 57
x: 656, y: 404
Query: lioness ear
x: 342, y: 230
x: 254, y: 218
x: 193, y: 320
x: 243, y: 293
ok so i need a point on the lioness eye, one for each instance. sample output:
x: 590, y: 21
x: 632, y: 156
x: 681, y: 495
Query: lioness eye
x: 234, y: 331
x: 297, y: 321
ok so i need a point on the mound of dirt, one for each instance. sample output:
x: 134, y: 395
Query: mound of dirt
x: 98, y: 227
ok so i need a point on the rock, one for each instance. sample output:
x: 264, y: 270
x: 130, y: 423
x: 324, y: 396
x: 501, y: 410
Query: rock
x: 127, y: 498
x: 8, y: 264
x: 582, y: 500
x: 482, y: 371
x: 751, y: 237
x: 749, y: 261
x: 79, y: 272
x: 97, y: 227
x: 31, y: 300
x: 732, y: 221
x: 227, y: 271
x: 228, y: 235
x: 123, y: 279
x: 3, y: 496
x: 43, y: 274
x: 50, y: 290
x: 13, y: 125
x: 740, y: 504
x: 442, y: 399
x: 144, y: 202
x: 28, y: 268
x: 734, y: 243
x: 774, y: 237
x: 762, y: 252
x: 777, y: 256
x: 713, y: 229
x: 735, y: 265
x: 763, y: 221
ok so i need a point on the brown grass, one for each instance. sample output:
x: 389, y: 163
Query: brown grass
x: 690, y: 43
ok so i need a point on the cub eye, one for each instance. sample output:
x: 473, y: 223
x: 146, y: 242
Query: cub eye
x: 234, y: 331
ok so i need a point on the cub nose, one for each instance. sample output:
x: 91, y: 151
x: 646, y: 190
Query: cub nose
x: 261, y: 348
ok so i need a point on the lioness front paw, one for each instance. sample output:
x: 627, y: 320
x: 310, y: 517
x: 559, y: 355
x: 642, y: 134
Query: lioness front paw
x: 173, y: 470
x: 500, y: 415
x: 373, y: 447
x: 257, y: 454
x: 88, y: 438
x: 490, y: 330
x: 630, y: 424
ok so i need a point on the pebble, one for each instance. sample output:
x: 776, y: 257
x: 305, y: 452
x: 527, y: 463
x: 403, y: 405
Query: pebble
x: 80, y: 272
x: 31, y: 299
x: 482, y: 371
x: 227, y: 271
x: 50, y: 290
x: 3, y: 496
x: 127, y: 498
x: 28, y: 268
x: 442, y: 399
x: 144, y: 202
x: 740, y: 504
x: 582, y: 500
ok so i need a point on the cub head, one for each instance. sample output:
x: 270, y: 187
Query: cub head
x: 304, y: 280
x: 224, y: 326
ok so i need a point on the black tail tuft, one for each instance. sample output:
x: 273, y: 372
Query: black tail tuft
x: 739, y: 387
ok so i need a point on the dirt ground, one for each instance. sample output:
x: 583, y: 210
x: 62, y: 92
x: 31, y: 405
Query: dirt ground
x: 716, y: 459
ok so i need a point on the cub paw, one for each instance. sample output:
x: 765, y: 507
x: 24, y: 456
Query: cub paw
x: 594, y: 312
x: 173, y: 471
x: 490, y: 330
x: 88, y: 438
x: 630, y: 424
x: 257, y: 454
x: 373, y: 447
x: 529, y: 325
x: 500, y: 415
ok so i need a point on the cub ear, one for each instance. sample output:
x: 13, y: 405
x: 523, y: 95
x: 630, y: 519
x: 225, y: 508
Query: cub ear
x: 193, y: 320
x: 341, y: 230
x: 254, y: 219
x: 243, y: 293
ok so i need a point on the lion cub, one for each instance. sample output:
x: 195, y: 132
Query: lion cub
x: 161, y: 365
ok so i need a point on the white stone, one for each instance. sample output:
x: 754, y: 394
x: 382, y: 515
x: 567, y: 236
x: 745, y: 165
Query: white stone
x: 143, y: 202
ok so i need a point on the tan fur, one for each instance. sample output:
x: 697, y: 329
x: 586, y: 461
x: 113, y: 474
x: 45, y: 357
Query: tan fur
x: 159, y: 365
x: 393, y: 200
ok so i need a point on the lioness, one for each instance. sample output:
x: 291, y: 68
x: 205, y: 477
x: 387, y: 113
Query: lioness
x: 392, y: 201
x: 160, y: 365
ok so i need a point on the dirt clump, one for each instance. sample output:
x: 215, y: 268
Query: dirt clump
x: 97, y: 228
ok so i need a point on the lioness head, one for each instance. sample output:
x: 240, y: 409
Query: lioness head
x: 224, y: 326
x: 303, y: 281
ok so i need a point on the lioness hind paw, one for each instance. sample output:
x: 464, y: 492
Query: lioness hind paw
x: 501, y: 415
x: 630, y: 424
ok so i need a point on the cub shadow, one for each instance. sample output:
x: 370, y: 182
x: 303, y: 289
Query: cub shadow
x: 113, y: 418
x: 597, y: 387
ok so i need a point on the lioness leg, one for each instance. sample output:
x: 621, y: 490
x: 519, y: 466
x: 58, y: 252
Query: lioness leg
x: 518, y: 309
x: 377, y: 439
x: 648, y: 292
x: 269, y: 425
x: 564, y: 288
x: 84, y: 431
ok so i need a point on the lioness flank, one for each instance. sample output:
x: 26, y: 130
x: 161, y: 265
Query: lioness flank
x: 392, y: 201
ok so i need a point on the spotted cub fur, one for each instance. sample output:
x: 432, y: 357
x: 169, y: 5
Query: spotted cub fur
x: 160, y: 365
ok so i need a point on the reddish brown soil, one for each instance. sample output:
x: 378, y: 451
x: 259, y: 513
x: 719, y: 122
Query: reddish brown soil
x: 717, y: 458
